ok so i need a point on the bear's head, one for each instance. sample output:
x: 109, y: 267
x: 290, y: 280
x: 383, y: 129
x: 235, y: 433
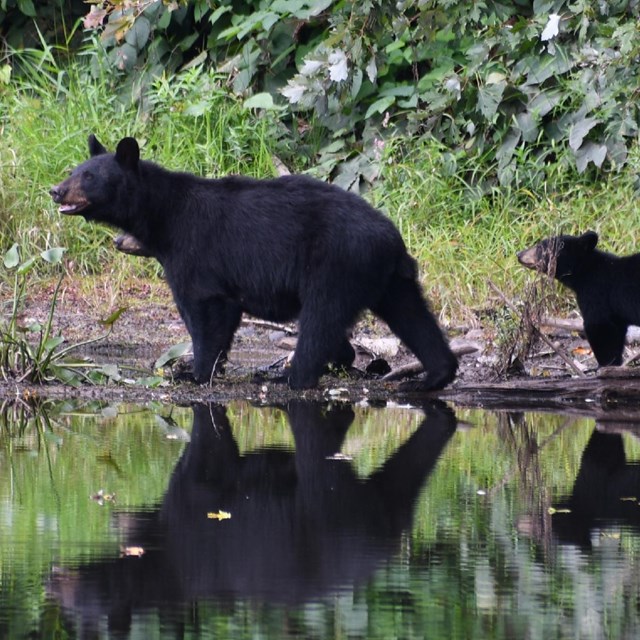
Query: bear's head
x: 99, y: 188
x: 560, y: 257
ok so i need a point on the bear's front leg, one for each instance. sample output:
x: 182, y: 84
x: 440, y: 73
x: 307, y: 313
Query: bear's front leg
x: 212, y: 324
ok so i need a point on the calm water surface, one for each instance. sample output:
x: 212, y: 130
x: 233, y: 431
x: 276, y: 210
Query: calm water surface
x: 316, y: 521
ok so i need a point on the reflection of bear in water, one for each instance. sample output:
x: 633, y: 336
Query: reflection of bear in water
x: 302, y: 524
x: 606, y: 490
x: 281, y: 249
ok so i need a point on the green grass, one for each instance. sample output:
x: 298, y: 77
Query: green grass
x: 462, y: 242
x: 46, y: 117
x: 191, y: 123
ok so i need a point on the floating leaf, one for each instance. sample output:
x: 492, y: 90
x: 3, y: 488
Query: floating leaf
x: 151, y: 382
x: 219, y: 515
x: 581, y: 351
x: 111, y: 371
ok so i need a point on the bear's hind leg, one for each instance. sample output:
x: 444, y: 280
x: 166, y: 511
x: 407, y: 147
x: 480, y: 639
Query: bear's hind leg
x: 345, y: 355
x: 322, y: 339
x: 408, y: 315
x: 607, y: 342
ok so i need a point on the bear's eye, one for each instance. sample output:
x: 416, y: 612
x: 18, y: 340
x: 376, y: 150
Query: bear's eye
x: 87, y: 176
x: 561, y: 246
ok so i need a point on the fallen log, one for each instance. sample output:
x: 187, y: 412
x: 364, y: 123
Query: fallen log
x: 613, y: 394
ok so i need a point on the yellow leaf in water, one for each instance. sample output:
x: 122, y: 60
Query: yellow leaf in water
x: 219, y: 515
x: 551, y: 511
x: 629, y: 499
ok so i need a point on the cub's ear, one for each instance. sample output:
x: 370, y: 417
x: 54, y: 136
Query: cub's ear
x: 95, y: 148
x: 589, y: 240
x: 128, y: 153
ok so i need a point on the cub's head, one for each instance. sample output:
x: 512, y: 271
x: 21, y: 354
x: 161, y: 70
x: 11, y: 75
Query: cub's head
x: 97, y: 189
x: 560, y: 257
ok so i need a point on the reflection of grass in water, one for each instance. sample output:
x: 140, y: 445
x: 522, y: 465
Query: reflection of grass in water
x: 59, y: 456
x: 52, y: 458
x: 488, y: 456
x: 373, y: 436
x: 463, y: 555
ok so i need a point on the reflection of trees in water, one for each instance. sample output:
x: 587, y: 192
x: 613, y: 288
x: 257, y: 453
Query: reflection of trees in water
x: 605, y: 492
x: 303, y: 524
x: 534, y: 495
x: 578, y: 577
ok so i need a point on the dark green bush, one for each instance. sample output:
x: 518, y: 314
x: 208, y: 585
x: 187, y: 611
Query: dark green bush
x: 523, y: 94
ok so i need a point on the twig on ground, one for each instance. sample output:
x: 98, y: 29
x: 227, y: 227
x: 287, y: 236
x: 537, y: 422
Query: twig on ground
x: 561, y: 352
x: 266, y: 324
x: 413, y: 368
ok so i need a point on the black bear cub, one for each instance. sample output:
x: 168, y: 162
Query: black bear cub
x: 278, y: 249
x: 607, y: 288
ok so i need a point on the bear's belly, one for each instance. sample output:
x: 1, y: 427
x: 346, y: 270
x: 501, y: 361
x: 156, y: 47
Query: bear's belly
x: 276, y: 308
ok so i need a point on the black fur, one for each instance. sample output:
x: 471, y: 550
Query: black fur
x: 291, y: 247
x: 607, y: 288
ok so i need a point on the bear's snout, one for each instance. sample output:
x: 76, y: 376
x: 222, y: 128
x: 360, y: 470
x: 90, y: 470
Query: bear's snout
x: 529, y: 258
x: 57, y: 193
x: 69, y: 196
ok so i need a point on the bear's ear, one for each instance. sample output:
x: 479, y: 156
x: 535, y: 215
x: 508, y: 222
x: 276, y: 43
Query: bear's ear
x: 589, y: 240
x: 128, y: 153
x: 95, y: 148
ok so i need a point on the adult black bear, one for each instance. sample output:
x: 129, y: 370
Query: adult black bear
x: 607, y: 288
x: 276, y: 249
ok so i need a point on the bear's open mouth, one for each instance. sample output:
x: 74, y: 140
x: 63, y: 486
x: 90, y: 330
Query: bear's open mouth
x: 73, y: 207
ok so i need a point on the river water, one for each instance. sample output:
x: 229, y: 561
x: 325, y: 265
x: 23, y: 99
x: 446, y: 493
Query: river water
x: 314, y: 520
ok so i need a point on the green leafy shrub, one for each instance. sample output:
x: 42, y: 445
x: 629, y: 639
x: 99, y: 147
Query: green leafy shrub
x: 525, y: 92
x: 24, y: 23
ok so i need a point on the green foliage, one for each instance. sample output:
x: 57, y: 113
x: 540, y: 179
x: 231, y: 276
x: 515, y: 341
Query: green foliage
x: 528, y: 91
x: 47, y: 111
x: 24, y: 23
x: 31, y: 352
x: 22, y: 356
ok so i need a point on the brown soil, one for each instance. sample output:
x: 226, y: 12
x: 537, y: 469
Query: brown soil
x: 151, y: 325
